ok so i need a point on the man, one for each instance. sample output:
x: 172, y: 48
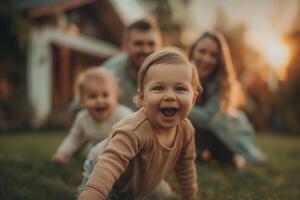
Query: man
x: 141, y: 38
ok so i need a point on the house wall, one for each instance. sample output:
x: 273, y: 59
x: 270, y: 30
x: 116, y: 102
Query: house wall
x: 40, y: 66
x: 39, y: 75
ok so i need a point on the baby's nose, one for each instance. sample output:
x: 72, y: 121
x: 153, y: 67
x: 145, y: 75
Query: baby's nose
x: 170, y: 96
x: 100, y: 100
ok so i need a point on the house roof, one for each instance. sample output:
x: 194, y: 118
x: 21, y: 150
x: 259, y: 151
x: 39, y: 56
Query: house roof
x: 40, y: 8
x: 82, y: 43
x: 29, y: 4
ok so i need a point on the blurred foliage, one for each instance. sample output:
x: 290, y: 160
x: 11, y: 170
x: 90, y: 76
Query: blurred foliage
x: 15, y: 111
x: 288, y: 96
x: 164, y: 13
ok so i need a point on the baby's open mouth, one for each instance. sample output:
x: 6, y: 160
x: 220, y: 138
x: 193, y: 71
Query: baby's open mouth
x: 168, y: 112
x: 100, y: 109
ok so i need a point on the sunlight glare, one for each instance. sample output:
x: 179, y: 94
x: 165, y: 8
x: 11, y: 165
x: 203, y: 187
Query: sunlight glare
x: 277, y: 54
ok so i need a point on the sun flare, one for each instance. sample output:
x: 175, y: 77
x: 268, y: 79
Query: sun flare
x: 277, y: 54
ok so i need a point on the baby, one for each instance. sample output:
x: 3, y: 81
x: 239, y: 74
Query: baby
x: 98, y: 95
x: 143, y: 148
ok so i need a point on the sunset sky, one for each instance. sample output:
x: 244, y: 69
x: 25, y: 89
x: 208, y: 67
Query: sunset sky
x: 266, y: 20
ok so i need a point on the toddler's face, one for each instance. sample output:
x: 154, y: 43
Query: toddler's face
x: 205, y: 57
x: 99, y: 98
x: 168, y: 94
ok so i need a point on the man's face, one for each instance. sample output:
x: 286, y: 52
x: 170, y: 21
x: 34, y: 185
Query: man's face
x: 140, y: 44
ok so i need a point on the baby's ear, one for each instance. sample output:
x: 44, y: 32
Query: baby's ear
x: 138, y: 99
x: 195, y: 97
x: 81, y: 102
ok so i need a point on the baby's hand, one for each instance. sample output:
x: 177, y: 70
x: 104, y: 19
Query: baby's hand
x: 61, y: 158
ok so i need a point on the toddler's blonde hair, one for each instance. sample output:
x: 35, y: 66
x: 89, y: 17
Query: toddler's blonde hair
x: 94, y: 73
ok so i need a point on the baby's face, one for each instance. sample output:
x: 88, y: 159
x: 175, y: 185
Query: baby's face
x: 168, y: 94
x: 99, y: 98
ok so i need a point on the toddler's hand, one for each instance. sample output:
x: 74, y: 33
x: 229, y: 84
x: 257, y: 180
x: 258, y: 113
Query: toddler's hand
x: 239, y: 161
x: 61, y: 158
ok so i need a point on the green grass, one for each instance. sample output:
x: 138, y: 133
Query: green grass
x: 27, y: 173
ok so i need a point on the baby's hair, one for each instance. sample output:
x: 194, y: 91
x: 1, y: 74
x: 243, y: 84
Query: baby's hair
x: 168, y: 55
x: 94, y: 73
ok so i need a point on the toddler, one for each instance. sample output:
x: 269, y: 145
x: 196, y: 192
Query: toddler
x: 145, y: 146
x: 98, y: 95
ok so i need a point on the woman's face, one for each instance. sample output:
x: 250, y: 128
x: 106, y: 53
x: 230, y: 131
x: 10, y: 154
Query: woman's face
x: 205, y: 56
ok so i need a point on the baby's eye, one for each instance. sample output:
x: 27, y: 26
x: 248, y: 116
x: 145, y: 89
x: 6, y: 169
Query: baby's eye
x: 213, y: 55
x: 105, y: 94
x: 92, y: 96
x: 158, y: 87
x: 201, y: 51
x: 181, y: 88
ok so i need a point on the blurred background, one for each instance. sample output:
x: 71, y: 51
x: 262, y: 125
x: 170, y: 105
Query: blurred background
x: 46, y: 43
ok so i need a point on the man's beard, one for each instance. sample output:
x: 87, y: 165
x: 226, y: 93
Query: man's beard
x: 138, y: 61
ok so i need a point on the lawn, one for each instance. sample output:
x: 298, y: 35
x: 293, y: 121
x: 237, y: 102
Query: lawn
x: 27, y: 173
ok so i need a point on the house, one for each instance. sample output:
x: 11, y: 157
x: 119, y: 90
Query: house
x: 62, y: 38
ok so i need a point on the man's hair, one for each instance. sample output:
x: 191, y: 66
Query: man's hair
x: 145, y: 24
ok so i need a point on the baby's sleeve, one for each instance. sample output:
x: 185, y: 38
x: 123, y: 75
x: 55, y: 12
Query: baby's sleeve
x: 74, y: 139
x: 185, y: 168
x: 112, y: 162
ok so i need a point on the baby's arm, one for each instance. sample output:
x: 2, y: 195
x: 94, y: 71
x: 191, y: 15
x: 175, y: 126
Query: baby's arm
x: 70, y: 144
x: 90, y: 162
x: 61, y: 158
x: 112, y: 162
x: 185, y: 169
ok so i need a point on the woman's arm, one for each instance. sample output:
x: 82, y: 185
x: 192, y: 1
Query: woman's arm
x: 200, y: 116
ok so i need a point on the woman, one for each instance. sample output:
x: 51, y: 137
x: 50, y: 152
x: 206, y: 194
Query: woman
x: 223, y: 131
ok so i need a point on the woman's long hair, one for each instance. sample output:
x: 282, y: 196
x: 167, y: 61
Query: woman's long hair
x: 224, y: 73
